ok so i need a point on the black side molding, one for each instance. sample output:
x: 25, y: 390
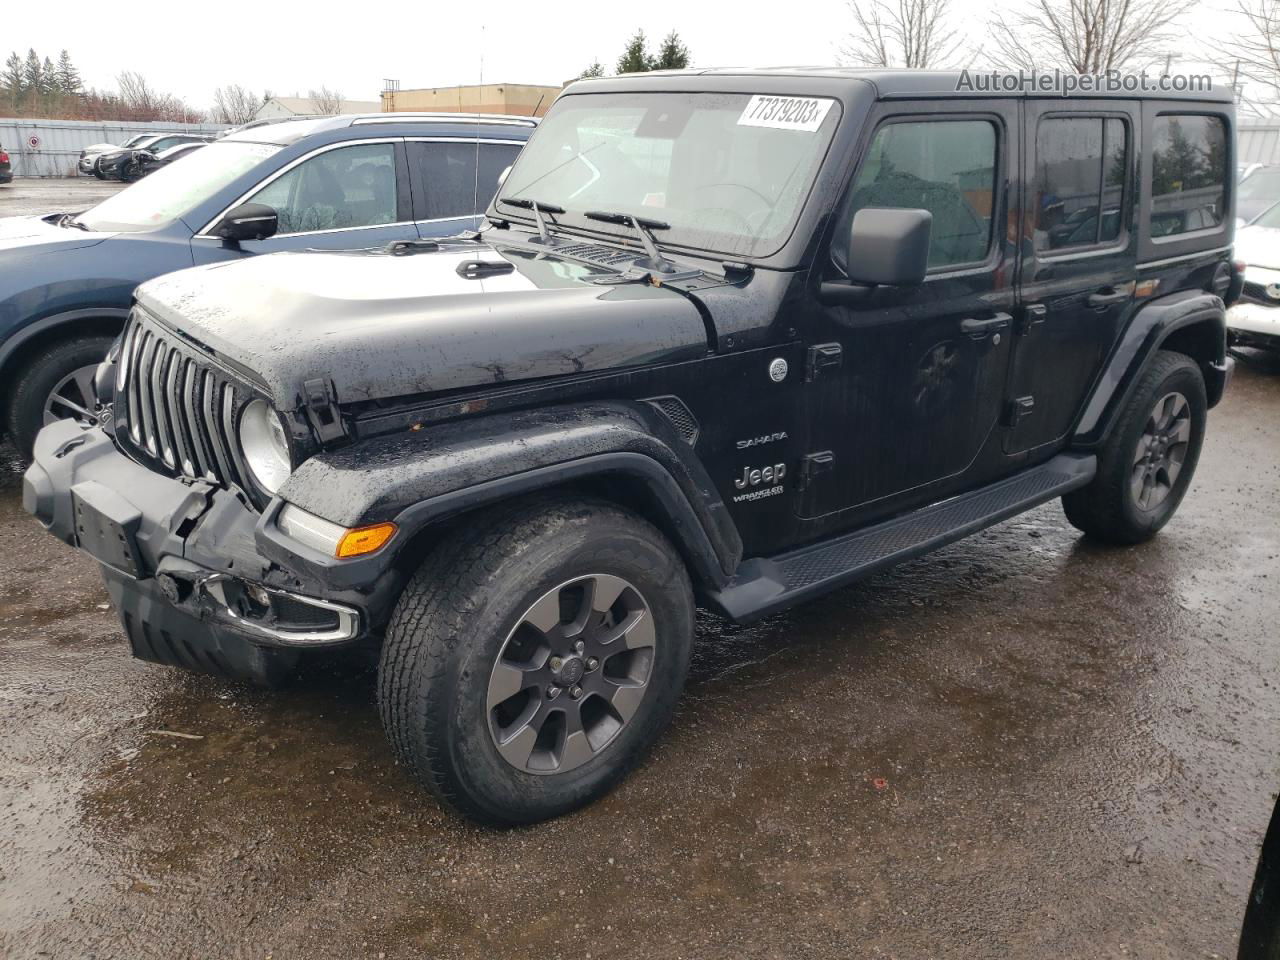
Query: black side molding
x: 766, y: 585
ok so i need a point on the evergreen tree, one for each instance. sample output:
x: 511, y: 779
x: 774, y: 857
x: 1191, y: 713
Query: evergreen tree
x: 32, y: 82
x: 11, y: 80
x: 672, y: 55
x: 595, y: 70
x: 48, y: 78
x: 69, y: 81
x: 635, y: 59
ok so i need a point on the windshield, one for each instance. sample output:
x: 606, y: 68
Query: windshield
x: 1269, y: 219
x: 172, y: 191
x: 1257, y: 191
x: 728, y: 172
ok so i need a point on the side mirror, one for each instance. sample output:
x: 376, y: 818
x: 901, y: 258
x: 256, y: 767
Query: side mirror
x: 889, y: 247
x: 249, y: 221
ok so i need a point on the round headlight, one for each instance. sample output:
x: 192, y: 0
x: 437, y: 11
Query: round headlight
x: 265, y: 448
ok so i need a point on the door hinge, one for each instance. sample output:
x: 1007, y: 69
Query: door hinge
x: 813, y: 465
x: 821, y: 357
x: 1018, y: 410
x: 1033, y: 315
x: 322, y: 410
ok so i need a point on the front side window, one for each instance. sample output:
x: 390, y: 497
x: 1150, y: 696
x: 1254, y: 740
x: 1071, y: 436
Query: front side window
x: 727, y: 172
x: 339, y: 189
x: 1188, y: 174
x: 947, y: 167
x: 1080, y: 169
x: 452, y: 184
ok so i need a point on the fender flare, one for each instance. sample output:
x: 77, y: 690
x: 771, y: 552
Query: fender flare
x: 1148, y: 330
x: 419, y: 479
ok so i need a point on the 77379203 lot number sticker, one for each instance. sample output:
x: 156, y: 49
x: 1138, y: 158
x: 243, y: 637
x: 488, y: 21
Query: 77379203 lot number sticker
x: 785, y: 113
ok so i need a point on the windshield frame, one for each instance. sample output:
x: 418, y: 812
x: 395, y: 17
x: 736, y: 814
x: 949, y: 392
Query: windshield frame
x: 786, y: 86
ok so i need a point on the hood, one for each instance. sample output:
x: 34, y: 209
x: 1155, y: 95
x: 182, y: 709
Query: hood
x: 382, y: 326
x: 1258, y: 246
x: 37, y: 235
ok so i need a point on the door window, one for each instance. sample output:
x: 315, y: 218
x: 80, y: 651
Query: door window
x: 449, y: 176
x: 1079, y: 181
x: 339, y: 189
x: 1188, y: 174
x: 947, y: 167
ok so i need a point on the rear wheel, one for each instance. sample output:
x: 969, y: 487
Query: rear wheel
x: 1147, y: 462
x: 529, y: 666
x: 57, y: 384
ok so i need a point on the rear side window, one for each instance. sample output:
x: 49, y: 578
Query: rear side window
x: 1079, y: 181
x: 1188, y: 174
x: 947, y: 167
x: 453, y: 186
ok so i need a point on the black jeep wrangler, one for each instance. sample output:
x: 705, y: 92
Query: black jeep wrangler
x: 730, y: 338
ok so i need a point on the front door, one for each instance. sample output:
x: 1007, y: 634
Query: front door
x: 1079, y: 263
x: 346, y: 197
x: 906, y: 386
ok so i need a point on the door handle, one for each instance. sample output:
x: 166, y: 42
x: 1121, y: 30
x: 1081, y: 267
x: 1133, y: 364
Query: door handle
x: 977, y: 329
x: 1109, y: 295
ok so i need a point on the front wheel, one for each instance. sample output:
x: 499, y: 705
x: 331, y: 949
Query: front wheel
x: 57, y: 384
x: 1146, y: 464
x: 531, y: 664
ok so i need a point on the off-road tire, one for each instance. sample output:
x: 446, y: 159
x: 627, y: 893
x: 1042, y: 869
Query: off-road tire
x: 1107, y: 509
x: 24, y: 407
x: 453, y: 619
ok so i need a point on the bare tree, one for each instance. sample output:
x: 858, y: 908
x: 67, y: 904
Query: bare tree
x: 1250, y: 52
x: 234, y: 104
x: 1088, y: 36
x: 328, y: 102
x: 916, y: 34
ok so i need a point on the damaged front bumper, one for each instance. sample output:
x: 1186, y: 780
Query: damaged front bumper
x: 180, y: 561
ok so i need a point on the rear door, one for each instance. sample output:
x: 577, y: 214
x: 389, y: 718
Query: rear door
x: 454, y: 180
x: 1079, y: 264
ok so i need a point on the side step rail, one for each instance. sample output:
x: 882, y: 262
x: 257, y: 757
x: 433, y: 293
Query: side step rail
x: 765, y: 585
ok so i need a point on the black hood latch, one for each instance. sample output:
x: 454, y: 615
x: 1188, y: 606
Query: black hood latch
x: 322, y: 410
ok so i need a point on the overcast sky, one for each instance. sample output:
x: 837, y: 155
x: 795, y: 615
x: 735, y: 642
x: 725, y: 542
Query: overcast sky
x: 189, y: 49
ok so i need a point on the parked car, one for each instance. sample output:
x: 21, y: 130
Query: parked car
x: 6, y: 168
x: 729, y: 337
x: 1257, y: 191
x: 1255, y: 320
x: 134, y: 164
x: 89, y: 155
x: 66, y: 280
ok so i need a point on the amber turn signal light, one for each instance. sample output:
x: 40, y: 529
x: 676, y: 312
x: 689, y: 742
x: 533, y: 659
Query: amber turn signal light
x: 364, y: 540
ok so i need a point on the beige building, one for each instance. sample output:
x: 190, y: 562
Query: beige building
x: 280, y: 108
x: 516, y: 99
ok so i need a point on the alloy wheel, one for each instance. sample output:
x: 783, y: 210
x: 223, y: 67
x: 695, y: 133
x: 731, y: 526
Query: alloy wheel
x: 1161, y: 451
x: 571, y: 674
x: 73, y: 397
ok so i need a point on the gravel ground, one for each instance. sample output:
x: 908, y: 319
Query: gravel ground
x: 1023, y: 745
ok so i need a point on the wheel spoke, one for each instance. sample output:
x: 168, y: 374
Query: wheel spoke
x: 518, y: 748
x: 607, y: 591
x: 626, y: 699
x: 505, y: 682
x: 545, y: 614
x: 59, y: 401
x: 84, y: 383
x: 576, y: 750
x: 1181, y: 432
x: 1144, y: 447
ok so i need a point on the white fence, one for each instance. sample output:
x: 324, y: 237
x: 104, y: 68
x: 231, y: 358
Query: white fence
x: 50, y: 148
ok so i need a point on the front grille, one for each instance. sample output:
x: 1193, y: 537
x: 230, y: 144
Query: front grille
x: 175, y: 408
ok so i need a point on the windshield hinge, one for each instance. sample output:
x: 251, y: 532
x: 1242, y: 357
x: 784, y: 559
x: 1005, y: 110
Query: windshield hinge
x: 322, y: 410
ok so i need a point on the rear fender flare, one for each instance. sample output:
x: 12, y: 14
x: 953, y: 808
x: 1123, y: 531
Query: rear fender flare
x: 1149, y: 330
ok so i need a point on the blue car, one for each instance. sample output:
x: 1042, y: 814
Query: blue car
x: 330, y: 183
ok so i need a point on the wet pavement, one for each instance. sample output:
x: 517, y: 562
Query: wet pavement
x: 1023, y: 745
x: 30, y: 195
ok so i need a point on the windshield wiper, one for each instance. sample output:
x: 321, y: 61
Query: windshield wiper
x: 538, y: 208
x: 643, y: 226
x: 69, y: 220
